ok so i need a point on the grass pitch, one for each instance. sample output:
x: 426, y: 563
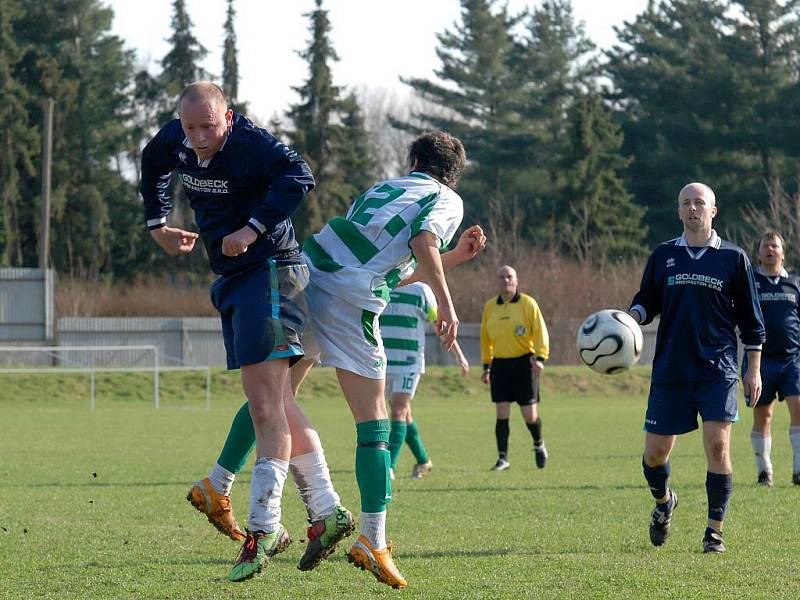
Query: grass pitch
x: 92, y: 503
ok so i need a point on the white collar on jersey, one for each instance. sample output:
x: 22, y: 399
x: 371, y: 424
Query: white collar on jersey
x: 713, y: 242
x: 774, y: 280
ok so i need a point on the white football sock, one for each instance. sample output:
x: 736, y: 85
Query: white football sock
x: 794, y: 436
x: 373, y: 527
x: 221, y: 479
x: 313, y: 482
x: 269, y: 475
x: 762, y: 446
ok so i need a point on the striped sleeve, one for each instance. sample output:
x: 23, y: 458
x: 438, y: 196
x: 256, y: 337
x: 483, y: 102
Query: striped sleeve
x: 442, y: 218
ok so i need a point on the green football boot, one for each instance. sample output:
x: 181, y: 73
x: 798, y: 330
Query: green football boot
x: 258, y: 548
x: 324, y: 535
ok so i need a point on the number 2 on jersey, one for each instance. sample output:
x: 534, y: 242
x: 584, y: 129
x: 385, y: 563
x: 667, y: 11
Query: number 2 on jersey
x: 371, y: 203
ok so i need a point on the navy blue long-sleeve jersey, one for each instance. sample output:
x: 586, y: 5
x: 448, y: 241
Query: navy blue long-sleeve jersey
x: 253, y: 179
x: 702, y: 295
x: 780, y: 305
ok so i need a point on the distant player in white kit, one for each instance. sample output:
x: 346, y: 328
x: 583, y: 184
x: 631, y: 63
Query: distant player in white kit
x: 403, y: 327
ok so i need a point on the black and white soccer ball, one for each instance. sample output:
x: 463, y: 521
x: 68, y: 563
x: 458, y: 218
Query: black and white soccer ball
x: 609, y: 341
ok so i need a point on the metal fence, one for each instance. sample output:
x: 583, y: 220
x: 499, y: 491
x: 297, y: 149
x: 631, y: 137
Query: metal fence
x: 197, y: 341
x: 27, y: 318
x: 26, y: 305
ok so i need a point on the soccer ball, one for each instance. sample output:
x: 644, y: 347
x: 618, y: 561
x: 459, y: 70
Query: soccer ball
x: 609, y: 341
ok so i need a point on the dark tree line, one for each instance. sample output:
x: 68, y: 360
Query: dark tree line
x: 580, y: 151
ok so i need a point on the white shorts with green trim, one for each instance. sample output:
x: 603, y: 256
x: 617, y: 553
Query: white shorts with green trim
x: 402, y: 383
x: 339, y: 334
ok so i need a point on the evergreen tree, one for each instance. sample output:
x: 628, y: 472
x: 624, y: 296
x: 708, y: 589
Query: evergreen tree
x: 230, y: 64
x: 73, y: 58
x: 316, y: 131
x: 181, y: 65
x: 144, y: 110
x: 764, y: 48
x: 554, y: 62
x: 354, y: 154
x: 705, y: 91
x: 330, y: 133
x: 478, y: 102
x: 672, y: 82
x: 18, y: 142
x: 598, y: 220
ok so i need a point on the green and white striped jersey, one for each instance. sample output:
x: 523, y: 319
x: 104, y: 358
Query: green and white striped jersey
x: 403, y: 327
x: 361, y: 257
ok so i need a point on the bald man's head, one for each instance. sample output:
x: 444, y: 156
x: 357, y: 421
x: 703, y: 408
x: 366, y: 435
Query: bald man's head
x: 202, y: 92
x: 697, y: 189
x: 205, y: 117
x: 506, y: 269
x: 697, y: 207
x: 507, y: 281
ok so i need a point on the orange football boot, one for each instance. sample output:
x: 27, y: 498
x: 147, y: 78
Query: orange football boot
x: 217, y: 507
x: 377, y: 562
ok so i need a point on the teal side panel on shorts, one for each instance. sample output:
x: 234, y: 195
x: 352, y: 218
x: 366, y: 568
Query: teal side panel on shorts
x: 286, y: 350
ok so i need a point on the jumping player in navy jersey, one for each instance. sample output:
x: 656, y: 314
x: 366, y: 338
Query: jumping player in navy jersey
x: 703, y: 288
x: 243, y: 185
x: 779, y: 295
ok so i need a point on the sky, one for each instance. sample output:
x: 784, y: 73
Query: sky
x: 377, y: 41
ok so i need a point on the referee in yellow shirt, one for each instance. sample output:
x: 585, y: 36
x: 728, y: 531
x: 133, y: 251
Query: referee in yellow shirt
x: 514, y: 347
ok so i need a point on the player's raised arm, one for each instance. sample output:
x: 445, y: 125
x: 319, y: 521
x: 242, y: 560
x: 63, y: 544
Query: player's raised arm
x: 157, y: 166
x: 288, y: 179
x: 425, y: 246
x: 470, y: 243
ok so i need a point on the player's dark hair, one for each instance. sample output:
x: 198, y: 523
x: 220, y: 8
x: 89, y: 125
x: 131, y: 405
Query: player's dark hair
x: 202, y: 90
x: 439, y: 154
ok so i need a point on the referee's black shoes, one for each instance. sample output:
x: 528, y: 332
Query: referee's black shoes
x: 501, y: 465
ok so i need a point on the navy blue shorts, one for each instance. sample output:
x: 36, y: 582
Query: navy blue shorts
x: 779, y: 376
x: 672, y: 408
x: 263, y: 309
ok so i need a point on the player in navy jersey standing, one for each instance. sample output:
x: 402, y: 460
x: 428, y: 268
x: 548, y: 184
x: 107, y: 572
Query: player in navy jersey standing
x: 243, y: 185
x: 703, y: 288
x: 779, y: 295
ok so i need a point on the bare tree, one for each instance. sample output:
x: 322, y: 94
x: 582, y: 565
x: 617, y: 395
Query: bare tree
x: 381, y: 106
x: 781, y: 214
x: 390, y: 145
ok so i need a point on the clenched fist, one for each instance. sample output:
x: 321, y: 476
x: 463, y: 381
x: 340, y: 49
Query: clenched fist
x: 236, y: 243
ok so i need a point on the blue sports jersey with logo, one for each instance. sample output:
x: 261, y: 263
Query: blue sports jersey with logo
x: 702, y: 295
x: 780, y: 298
x: 253, y: 180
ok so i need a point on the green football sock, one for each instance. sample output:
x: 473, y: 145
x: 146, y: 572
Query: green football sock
x: 372, y: 465
x: 397, y: 436
x: 240, y: 441
x: 415, y: 443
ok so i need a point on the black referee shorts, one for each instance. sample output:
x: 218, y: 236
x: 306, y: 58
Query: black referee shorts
x: 512, y: 380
